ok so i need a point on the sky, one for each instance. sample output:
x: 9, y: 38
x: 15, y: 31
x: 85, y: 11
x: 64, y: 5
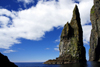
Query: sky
x: 30, y: 29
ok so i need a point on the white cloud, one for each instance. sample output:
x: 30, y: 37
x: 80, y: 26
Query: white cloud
x: 32, y: 23
x: 86, y: 33
x: 57, y: 40
x: 7, y: 13
x: 84, y: 8
x: 26, y: 1
x: 9, y: 51
x: 47, y: 48
x: 56, y: 49
x: 4, y: 20
x: 57, y: 45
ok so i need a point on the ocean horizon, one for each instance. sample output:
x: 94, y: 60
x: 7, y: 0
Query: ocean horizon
x: 40, y: 64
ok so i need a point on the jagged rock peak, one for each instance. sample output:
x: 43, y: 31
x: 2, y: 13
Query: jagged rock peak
x: 65, y: 33
x: 76, y: 12
x: 76, y: 17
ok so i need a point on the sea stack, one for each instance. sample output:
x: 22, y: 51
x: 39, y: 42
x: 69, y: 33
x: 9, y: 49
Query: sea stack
x: 94, y: 51
x: 71, y: 42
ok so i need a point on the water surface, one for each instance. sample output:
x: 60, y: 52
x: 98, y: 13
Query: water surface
x: 40, y: 64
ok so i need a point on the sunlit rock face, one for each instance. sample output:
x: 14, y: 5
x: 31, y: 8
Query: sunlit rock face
x: 94, y: 51
x: 71, y: 42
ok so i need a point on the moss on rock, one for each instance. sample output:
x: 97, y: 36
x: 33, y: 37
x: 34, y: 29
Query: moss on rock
x: 92, y: 10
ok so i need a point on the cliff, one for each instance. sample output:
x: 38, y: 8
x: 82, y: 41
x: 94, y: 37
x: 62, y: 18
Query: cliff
x: 4, y: 62
x: 94, y: 51
x: 71, y: 42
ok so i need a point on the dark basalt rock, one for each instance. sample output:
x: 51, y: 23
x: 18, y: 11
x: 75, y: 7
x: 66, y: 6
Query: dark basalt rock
x: 71, y: 43
x: 4, y: 62
x: 94, y: 51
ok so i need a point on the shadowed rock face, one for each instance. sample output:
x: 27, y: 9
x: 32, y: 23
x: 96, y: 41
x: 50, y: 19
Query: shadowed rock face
x: 4, y: 62
x: 71, y: 43
x: 94, y: 51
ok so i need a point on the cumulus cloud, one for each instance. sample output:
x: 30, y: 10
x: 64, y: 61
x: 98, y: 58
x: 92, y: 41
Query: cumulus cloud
x: 84, y: 8
x: 86, y: 33
x: 32, y: 23
x: 9, y: 51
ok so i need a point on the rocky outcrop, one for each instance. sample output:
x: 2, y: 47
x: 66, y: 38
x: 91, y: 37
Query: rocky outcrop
x: 71, y: 43
x: 4, y: 62
x: 94, y: 51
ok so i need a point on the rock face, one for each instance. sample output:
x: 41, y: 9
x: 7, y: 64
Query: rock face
x: 4, y: 62
x: 94, y: 51
x: 71, y: 43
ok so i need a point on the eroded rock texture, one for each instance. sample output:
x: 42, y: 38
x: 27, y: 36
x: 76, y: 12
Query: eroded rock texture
x: 71, y: 43
x: 94, y: 51
x: 4, y: 62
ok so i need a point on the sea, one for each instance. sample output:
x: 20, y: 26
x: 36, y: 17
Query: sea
x: 40, y: 64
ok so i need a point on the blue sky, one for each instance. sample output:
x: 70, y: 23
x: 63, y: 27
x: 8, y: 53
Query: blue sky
x: 30, y: 29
